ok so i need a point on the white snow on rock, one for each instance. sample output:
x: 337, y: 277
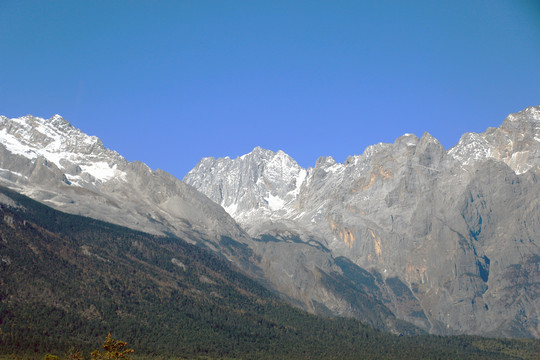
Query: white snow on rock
x: 515, y: 142
x: 266, y: 185
x: 60, y: 143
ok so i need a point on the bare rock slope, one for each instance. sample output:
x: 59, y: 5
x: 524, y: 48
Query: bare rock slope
x: 57, y: 164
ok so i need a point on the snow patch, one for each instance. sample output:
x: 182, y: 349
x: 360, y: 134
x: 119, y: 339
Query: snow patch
x: 518, y: 162
x: 75, y: 180
x: 54, y: 202
x: 14, y: 146
x: 274, y: 202
x: 335, y: 169
x: 299, y: 181
x: 231, y: 209
x: 14, y: 173
x: 101, y: 170
x: 471, y: 147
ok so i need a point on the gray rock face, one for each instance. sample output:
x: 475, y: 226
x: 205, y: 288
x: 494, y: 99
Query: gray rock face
x: 52, y: 162
x: 451, y: 238
x: 57, y: 164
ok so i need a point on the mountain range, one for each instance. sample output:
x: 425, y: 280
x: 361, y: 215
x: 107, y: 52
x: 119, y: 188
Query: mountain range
x: 408, y: 236
x: 66, y: 280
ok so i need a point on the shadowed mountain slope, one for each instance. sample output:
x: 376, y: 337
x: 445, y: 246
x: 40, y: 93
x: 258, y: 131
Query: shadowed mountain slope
x: 66, y: 280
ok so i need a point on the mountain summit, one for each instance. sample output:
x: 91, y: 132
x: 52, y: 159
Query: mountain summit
x: 516, y: 142
x: 458, y: 228
x: 263, y: 181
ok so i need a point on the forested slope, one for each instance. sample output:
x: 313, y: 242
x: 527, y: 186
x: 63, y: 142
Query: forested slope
x: 67, y: 280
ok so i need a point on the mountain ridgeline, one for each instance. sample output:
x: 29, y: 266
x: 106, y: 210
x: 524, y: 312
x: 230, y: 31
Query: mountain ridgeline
x: 449, y: 240
x: 408, y: 236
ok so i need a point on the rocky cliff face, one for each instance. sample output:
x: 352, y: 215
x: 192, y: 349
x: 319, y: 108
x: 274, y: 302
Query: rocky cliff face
x: 257, y: 186
x: 450, y: 237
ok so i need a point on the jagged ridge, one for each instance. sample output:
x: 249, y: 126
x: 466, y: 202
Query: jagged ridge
x: 452, y: 225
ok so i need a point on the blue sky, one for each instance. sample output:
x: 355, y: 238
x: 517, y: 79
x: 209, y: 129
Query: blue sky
x: 170, y: 82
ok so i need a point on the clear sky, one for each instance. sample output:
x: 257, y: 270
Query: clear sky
x: 170, y: 82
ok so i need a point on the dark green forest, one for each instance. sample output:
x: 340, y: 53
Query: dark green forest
x: 66, y: 281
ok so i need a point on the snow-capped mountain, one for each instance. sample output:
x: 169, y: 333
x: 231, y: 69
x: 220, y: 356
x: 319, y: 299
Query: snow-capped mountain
x: 264, y: 182
x: 57, y: 164
x: 446, y: 240
x: 456, y: 227
x: 83, y: 158
x: 265, y: 185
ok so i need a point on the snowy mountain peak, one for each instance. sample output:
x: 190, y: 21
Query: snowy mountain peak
x: 325, y: 161
x: 59, y: 122
x: 530, y: 114
x: 516, y: 142
x: 393, y: 211
x: 55, y: 163
x: 256, y: 185
x: 81, y: 157
x: 264, y: 184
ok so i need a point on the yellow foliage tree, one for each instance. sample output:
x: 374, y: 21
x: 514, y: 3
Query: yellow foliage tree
x: 112, y: 350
